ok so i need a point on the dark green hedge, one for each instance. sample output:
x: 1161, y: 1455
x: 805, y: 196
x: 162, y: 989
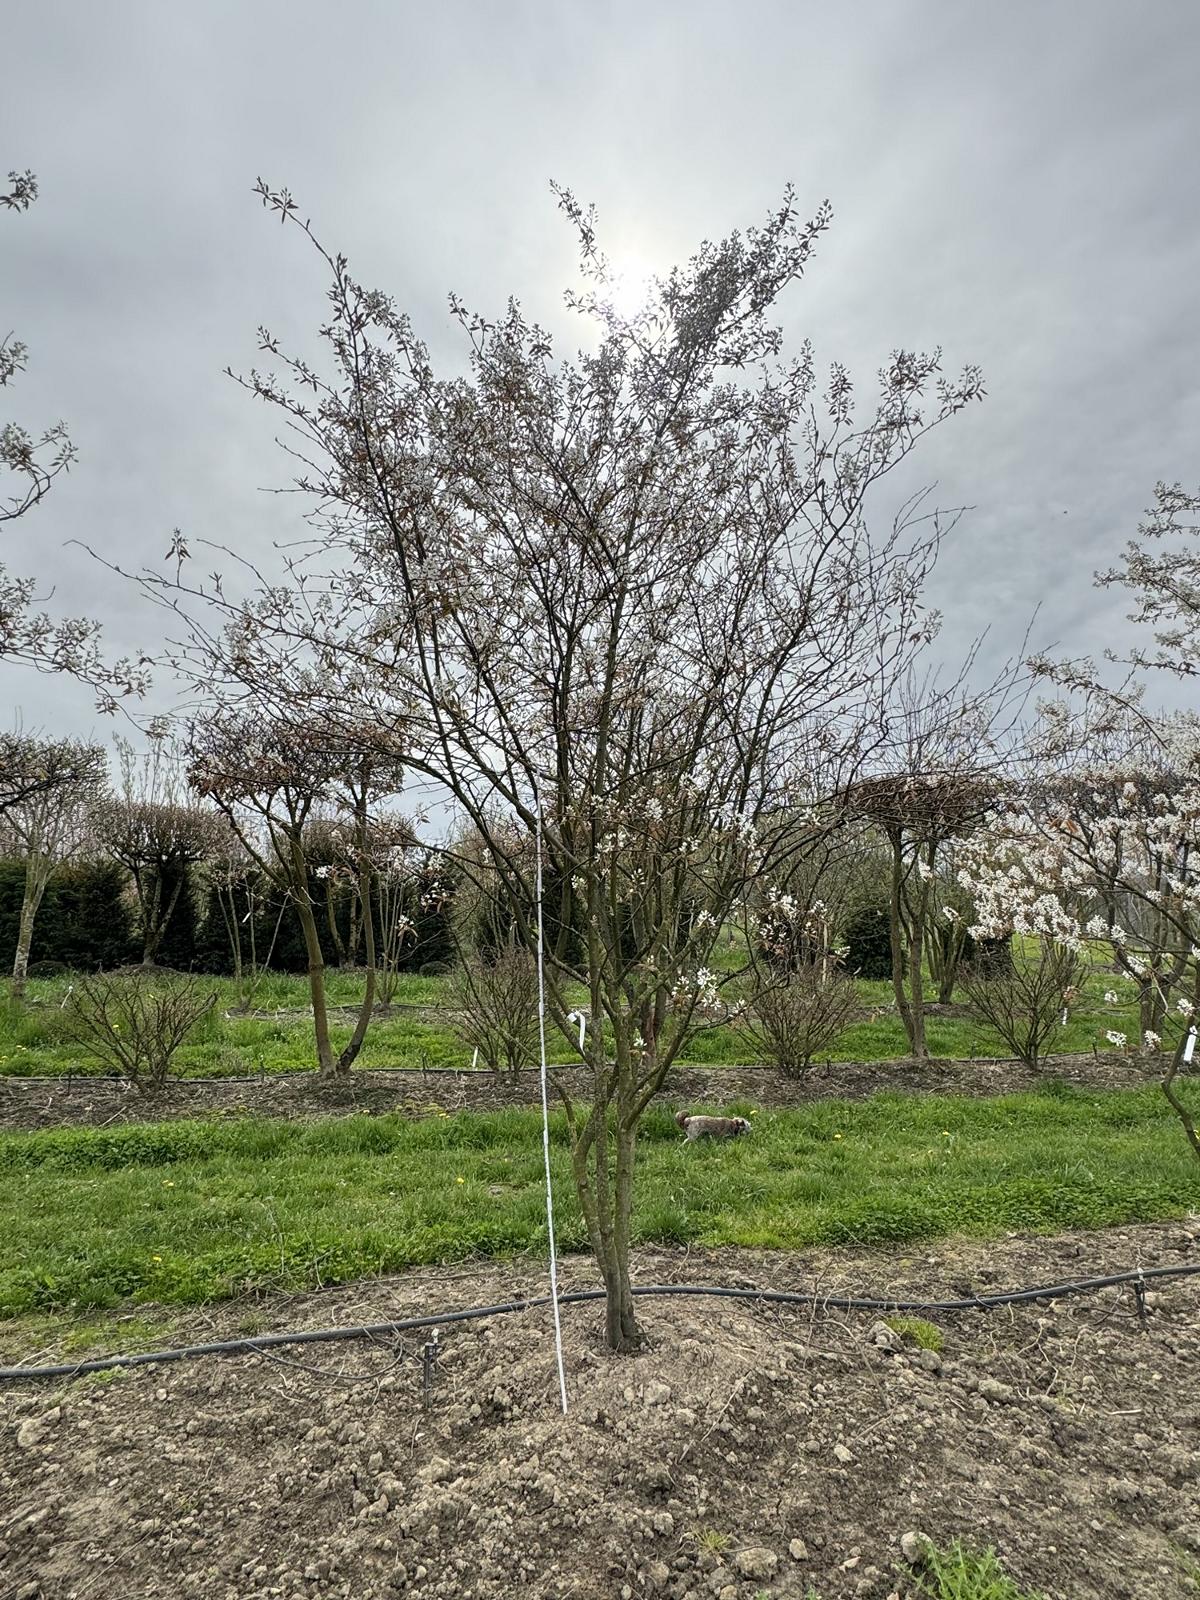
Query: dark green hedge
x: 88, y: 919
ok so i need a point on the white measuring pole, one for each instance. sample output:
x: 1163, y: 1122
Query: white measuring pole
x: 558, y: 1347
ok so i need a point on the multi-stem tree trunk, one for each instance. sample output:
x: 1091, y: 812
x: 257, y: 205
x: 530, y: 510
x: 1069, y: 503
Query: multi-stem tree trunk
x: 945, y: 943
x: 1168, y: 1084
x: 604, y: 1155
x: 149, y: 887
x: 234, y: 934
x: 603, y: 1160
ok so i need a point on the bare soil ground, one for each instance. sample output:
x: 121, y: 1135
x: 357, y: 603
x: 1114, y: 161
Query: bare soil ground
x: 27, y: 1103
x: 750, y: 1452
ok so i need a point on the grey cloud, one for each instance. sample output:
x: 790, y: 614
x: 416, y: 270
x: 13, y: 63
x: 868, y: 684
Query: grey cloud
x: 1014, y: 182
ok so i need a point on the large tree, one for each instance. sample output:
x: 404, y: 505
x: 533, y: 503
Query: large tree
x: 627, y: 602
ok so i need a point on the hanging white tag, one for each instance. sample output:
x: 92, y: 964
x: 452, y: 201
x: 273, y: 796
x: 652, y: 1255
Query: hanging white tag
x: 475, y: 1059
x: 578, y: 1016
x: 1190, y: 1045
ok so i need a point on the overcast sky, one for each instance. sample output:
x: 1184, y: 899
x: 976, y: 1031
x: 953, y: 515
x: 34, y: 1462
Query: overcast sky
x: 1017, y: 181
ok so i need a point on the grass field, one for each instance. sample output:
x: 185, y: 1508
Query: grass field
x: 185, y: 1212
x: 35, y: 1041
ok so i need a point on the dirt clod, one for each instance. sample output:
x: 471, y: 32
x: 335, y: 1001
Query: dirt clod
x: 757, y: 1563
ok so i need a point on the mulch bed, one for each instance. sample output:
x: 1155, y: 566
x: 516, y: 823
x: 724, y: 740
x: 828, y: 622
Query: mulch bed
x: 27, y: 1103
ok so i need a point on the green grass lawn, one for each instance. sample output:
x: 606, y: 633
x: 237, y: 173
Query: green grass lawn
x: 34, y: 1040
x: 184, y: 1212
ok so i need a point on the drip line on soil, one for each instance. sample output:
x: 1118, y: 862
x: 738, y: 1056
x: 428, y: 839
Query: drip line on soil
x: 1138, y: 1278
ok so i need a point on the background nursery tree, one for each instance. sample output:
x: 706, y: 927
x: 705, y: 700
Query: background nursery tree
x: 158, y: 843
x: 268, y: 778
x: 49, y: 825
x: 629, y: 602
x: 1107, y: 845
x: 801, y: 1000
x: 936, y: 786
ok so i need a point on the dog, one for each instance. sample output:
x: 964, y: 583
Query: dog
x: 712, y: 1127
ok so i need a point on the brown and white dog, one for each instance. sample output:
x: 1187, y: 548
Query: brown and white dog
x: 712, y: 1127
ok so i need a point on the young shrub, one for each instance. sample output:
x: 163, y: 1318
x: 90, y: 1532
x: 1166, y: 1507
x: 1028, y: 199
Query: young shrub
x: 794, y: 1019
x: 496, y: 1008
x: 136, y: 1020
x: 1027, y: 1001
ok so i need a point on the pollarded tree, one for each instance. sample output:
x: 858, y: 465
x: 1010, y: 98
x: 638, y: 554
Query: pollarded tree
x: 158, y: 843
x: 917, y: 813
x: 269, y: 780
x: 50, y: 823
x: 629, y: 602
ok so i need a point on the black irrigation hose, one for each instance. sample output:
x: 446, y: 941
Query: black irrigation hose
x: 380, y: 1330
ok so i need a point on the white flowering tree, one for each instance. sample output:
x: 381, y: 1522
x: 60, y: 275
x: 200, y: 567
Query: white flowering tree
x: 1110, y: 841
x: 1107, y: 859
x: 30, y: 464
x: 629, y: 601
